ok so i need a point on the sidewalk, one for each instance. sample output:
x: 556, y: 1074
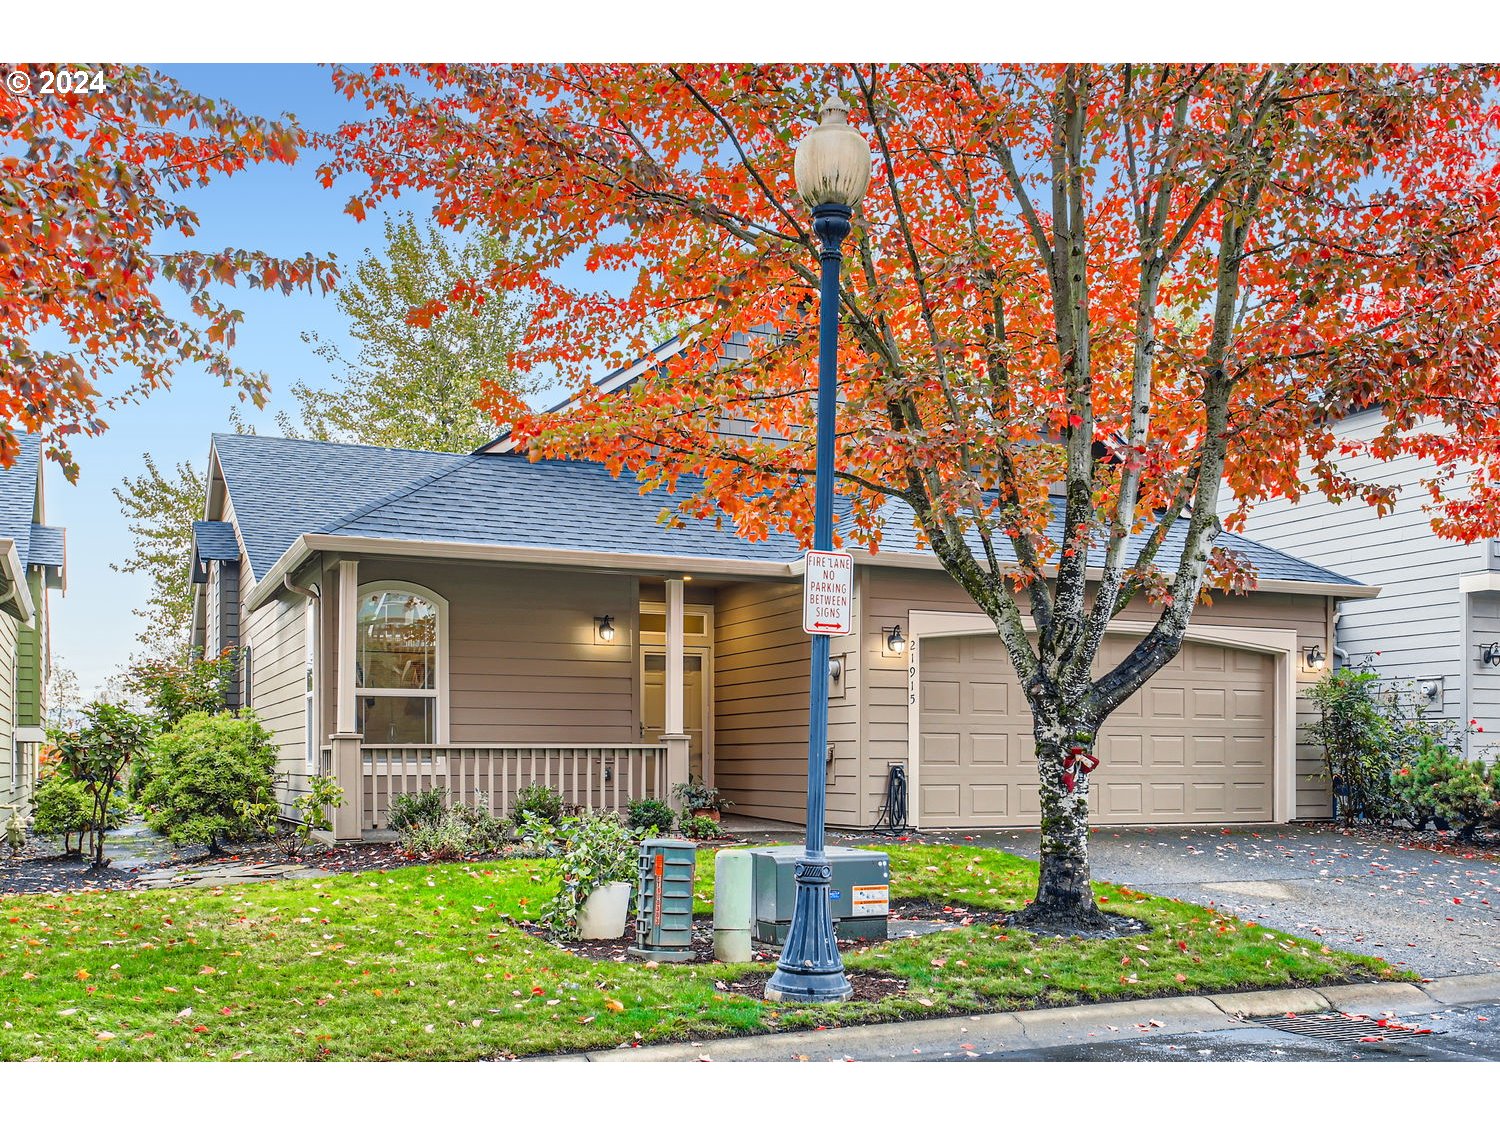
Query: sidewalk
x: 1003, y: 1032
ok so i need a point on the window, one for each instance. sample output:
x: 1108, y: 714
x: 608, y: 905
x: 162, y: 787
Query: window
x: 398, y: 645
x: 310, y: 680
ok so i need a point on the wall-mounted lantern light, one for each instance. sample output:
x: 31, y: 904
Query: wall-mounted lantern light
x: 895, y: 643
x: 1490, y: 653
x: 1316, y: 661
x: 606, y: 628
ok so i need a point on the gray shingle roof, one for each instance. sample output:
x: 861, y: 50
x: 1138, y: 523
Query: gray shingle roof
x: 214, y: 539
x: 48, y: 546
x: 18, y: 495
x: 900, y: 536
x: 508, y: 500
x: 282, y: 489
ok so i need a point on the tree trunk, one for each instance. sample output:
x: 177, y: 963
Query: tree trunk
x: 1064, y: 899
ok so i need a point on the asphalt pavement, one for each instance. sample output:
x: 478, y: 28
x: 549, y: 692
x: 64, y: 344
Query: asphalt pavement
x: 1434, y: 913
x: 1469, y: 1034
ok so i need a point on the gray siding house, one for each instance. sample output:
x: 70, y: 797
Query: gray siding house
x: 477, y: 622
x: 1439, y: 605
x: 32, y: 558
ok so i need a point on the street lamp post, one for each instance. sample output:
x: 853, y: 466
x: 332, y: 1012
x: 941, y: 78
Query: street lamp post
x: 833, y: 170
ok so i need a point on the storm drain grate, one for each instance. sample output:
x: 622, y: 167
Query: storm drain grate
x: 1341, y: 1027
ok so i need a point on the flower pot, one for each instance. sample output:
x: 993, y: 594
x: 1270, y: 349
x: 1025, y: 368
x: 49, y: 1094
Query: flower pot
x: 710, y: 814
x: 604, y: 912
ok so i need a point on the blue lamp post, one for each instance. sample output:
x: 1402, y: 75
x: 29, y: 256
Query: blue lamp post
x: 833, y: 170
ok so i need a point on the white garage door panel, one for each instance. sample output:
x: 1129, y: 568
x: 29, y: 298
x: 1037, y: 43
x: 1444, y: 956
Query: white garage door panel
x: 1195, y: 745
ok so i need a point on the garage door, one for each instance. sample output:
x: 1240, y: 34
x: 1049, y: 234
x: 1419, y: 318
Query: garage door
x: 1193, y: 746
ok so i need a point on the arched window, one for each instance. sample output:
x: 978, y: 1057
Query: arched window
x: 399, y: 676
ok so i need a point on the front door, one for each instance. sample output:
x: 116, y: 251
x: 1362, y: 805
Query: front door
x: 695, y: 703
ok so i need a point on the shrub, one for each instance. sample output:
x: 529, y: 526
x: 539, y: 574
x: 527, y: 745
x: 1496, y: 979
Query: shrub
x: 417, y: 810
x: 540, y: 837
x: 209, y: 771
x: 650, y: 815
x: 538, y: 800
x: 60, y: 806
x: 695, y: 795
x: 175, y: 688
x: 292, y: 838
x: 1355, y: 732
x: 97, y: 755
x: 699, y: 828
x: 1411, y: 797
x: 596, y: 849
x: 1462, y: 792
x: 460, y: 831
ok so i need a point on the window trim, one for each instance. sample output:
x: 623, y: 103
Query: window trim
x: 439, y: 693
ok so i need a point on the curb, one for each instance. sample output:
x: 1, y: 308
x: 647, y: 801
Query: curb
x: 999, y: 1032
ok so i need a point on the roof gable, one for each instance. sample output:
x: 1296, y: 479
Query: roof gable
x: 284, y: 487
x: 18, y: 485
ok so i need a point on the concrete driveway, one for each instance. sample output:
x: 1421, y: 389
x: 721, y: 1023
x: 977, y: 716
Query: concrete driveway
x: 1435, y: 913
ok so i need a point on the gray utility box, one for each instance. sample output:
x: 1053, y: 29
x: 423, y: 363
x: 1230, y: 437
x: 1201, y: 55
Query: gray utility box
x: 664, y: 900
x: 859, y: 895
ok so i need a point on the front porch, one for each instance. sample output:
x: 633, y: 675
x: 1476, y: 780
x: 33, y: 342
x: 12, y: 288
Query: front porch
x: 588, y: 777
x: 481, y: 679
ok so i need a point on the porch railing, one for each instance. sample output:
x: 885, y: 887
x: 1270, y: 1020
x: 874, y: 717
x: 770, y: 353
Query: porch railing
x: 589, y: 777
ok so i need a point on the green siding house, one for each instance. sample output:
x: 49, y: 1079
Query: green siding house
x: 31, y: 566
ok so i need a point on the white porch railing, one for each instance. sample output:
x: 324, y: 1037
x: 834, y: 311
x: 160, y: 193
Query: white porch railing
x: 589, y: 777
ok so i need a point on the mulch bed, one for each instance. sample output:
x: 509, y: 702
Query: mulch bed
x: 33, y: 871
x: 952, y: 913
x: 39, y: 874
x: 867, y: 986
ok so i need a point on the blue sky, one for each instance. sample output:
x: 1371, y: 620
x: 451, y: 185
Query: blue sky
x: 278, y: 209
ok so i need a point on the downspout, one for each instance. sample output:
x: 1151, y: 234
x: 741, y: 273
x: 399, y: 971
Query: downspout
x: 311, y: 593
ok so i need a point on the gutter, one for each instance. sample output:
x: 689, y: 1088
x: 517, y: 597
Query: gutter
x: 631, y: 562
x: 928, y: 561
x: 278, y: 577
x: 18, y: 596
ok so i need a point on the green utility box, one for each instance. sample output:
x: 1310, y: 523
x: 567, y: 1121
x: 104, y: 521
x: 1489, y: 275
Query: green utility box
x: 859, y: 895
x: 664, y: 900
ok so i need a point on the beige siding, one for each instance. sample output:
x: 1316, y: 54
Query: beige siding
x: 760, y: 699
x: 890, y: 595
x: 11, y: 787
x: 274, y: 634
x: 523, y: 663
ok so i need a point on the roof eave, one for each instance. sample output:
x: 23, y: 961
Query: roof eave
x: 628, y: 561
x: 17, y: 600
x: 926, y: 560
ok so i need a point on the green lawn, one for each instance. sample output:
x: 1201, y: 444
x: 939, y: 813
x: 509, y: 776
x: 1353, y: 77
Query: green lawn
x: 419, y: 963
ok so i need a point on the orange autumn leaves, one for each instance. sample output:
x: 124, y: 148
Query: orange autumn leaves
x: 94, y: 221
x: 1366, y: 279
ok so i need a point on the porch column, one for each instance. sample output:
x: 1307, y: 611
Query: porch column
x: 348, y: 760
x: 673, y: 735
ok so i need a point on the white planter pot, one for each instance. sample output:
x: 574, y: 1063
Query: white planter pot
x: 604, y: 912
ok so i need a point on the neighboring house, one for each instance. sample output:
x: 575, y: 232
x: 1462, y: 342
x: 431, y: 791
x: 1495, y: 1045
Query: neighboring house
x: 31, y: 566
x: 480, y: 621
x: 1438, y: 613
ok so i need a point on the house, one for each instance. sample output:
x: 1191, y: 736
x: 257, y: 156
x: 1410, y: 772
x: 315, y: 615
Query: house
x: 1436, y: 623
x: 480, y: 621
x: 32, y: 565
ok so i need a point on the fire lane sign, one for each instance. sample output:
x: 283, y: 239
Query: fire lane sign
x: 827, y: 593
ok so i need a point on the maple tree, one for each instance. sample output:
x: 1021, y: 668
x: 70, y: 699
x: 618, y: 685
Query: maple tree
x: 1077, y: 300
x: 92, y: 182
